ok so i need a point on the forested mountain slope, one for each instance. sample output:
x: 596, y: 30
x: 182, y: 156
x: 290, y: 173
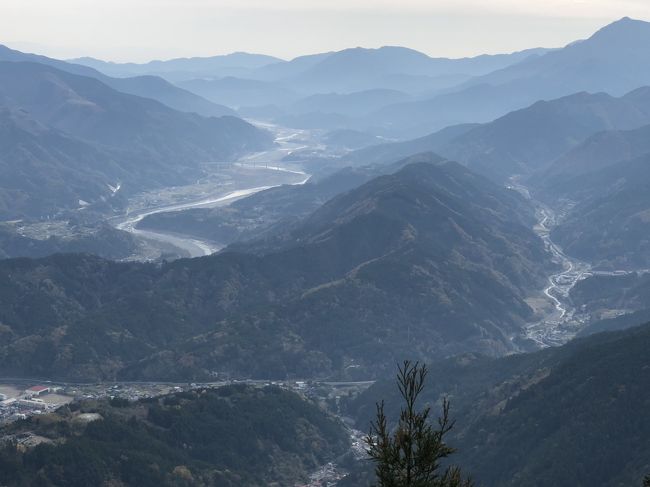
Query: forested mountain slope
x: 547, y: 418
x: 230, y: 436
x: 432, y: 259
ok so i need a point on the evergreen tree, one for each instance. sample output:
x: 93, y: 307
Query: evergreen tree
x: 646, y: 481
x: 410, y: 456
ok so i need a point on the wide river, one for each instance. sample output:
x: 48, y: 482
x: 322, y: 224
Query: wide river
x: 265, y: 163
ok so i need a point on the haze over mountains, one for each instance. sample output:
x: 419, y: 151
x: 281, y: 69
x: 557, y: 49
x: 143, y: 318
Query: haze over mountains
x: 96, y: 138
x: 430, y: 93
x: 147, y: 86
x: 258, y: 81
x: 525, y: 140
x: 184, y: 68
x: 374, y: 205
x: 612, y: 60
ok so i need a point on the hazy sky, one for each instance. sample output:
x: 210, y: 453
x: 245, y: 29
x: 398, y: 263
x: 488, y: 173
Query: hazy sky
x: 138, y: 30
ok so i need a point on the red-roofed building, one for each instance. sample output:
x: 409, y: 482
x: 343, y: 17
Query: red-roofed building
x: 37, y: 391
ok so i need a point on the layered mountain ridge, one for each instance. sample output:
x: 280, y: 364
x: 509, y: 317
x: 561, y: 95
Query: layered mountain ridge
x: 410, y: 248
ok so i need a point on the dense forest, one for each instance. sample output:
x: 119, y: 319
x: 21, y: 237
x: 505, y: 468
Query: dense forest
x: 433, y: 245
x: 547, y: 418
x: 230, y: 436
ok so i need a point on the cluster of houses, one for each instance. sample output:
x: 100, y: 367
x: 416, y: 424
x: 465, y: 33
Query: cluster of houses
x: 27, y: 403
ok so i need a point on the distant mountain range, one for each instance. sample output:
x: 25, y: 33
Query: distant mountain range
x: 350, y: 69
x: 435, y: 92
x: 609, y: 224
x: 250, y: 80
x: 614, y: 60
x: 388, y: 67
x: 527, y: 140
x: 179, y: 69
x: 559, y: 148
x: 144, y: 86
x: 67, y: 139
x: 433, y: 259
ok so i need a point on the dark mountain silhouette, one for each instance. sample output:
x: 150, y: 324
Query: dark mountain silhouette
x: 541, y: 419
x: 273, y: 211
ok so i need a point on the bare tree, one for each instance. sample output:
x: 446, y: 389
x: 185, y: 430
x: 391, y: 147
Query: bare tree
x: 410, y: 455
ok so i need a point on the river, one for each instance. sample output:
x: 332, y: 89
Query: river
x: 205, y: 194
x: 564, y: 321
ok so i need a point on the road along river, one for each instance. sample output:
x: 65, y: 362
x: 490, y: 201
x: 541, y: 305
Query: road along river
x: 563, y: 321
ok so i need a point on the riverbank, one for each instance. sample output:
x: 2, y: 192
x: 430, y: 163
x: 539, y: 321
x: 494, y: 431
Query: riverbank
x: 222, y: 185
x: 558, y: 320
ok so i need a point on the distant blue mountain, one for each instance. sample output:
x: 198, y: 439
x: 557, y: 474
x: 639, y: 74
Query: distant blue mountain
x: 235, y: 64
x: 526, y: 140
x: 615, y: 60
x: 145, y: 86
x: 66, y: 137
x: 389, y: 67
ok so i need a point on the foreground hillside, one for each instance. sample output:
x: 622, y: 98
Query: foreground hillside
x: 571, y: 416
x: 231, y: 436
x: 430, y: 260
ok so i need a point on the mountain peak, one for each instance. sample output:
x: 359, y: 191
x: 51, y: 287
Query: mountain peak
x: 625, y: 29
